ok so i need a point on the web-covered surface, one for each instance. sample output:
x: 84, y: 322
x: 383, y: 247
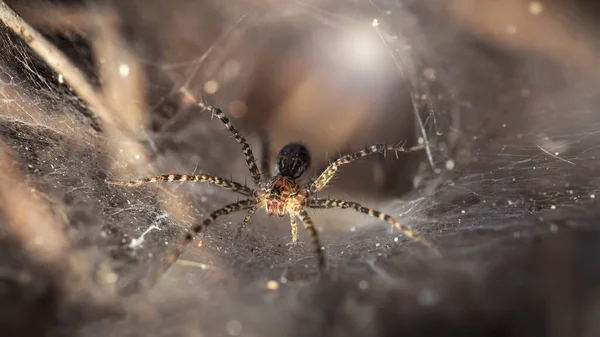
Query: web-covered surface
x: 509, y: 191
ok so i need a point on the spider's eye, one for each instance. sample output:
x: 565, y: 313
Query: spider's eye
x: 293, y: 160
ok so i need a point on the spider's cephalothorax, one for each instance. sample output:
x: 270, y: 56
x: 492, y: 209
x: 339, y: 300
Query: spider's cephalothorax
x: 279, y: 195
x: 282, y: 195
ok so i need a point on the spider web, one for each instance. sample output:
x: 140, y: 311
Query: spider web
x: 507, y: 188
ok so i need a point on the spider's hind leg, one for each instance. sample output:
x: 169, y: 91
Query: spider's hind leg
x: 336, y: 203
x: 189, y: 236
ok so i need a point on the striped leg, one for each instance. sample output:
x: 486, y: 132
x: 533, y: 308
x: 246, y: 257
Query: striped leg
x: 189, y: 236
x: 247, y: 218
x: 308, y: 224
x: 335, y: 203
x: 224, y: 183
x: 330, y: 171
x: 294, y: 229
x: 248, y: 155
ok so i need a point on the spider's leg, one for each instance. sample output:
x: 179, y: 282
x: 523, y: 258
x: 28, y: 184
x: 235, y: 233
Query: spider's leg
x: 248, y: 155
x: 265, y: 163
x: 189, y: 236
x: 247, y: 217
x: 336, y: 203
x: 330, y: 171
x: 224, y: 183
x: 294, y: 226
x: 310, y: 227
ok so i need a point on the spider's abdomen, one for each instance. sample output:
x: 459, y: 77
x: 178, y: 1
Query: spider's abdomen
x: 292, y: 160
x: 280, y: 193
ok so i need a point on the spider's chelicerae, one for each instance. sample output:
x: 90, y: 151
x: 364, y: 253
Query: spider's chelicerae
x: 278, y: 195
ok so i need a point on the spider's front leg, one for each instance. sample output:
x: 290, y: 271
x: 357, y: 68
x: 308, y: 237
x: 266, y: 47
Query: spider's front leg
x: 331, y: 170
x: 200, y: 178
x: 247, y: 218
x: 294, y: 226
x: 248, y: 154
x: 312, y: 231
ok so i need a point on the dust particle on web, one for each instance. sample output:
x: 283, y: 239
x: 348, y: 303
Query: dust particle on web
x: 429, y: 74
x: 124, y: 70
x: 233, y: 327
x: 272, y: 285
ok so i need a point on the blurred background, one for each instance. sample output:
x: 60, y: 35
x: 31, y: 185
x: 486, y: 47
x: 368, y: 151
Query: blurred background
x: 502, y: 94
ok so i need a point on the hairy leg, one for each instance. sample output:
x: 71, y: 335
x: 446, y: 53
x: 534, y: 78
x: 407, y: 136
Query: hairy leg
x: 336, y: 203
x: 331, y: 170
x: 224, y: 183
x: 312, y: 231
x: 247, y: 218
x: 248, y: 154
x: 294, y: 226
x: 189, y: 236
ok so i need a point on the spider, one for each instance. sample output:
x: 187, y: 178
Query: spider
x: 279, y: 195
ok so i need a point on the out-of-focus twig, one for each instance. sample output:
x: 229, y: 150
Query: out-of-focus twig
x: 122, y: 77
x: 34, y: 223
x: 57, y: 61
x: 29, y: 217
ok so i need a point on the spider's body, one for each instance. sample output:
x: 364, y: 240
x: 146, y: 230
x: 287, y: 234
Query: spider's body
x: 292, y: 161
x: 281, y: 194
